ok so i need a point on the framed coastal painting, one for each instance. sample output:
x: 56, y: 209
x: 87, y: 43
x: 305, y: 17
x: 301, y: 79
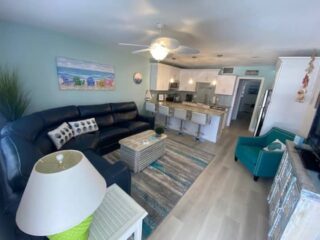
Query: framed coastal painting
x: 84, y: 75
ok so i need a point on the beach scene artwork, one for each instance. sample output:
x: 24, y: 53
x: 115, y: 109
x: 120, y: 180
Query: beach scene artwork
x: 84, y: 75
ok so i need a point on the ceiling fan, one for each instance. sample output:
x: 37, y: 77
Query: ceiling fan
x: 162, y: 46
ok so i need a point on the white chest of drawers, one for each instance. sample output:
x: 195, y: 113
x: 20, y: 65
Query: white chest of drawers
x: 294, y: 200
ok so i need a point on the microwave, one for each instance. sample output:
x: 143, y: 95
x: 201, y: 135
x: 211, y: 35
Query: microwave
x: 174, y: 85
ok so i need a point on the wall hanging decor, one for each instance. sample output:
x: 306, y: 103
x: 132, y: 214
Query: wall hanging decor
x: 137, y: 77
x: 301, y: 94
x: 84, y: 75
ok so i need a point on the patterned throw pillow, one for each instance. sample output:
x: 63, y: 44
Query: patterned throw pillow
x: 275, y: 146
x: 61, y: 135
x: 84, y: 126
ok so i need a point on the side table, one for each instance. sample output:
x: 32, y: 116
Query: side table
x: 118, y: 217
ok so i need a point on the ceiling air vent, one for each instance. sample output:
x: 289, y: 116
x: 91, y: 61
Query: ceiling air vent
x: 252, y: 72
x: 227, y: 70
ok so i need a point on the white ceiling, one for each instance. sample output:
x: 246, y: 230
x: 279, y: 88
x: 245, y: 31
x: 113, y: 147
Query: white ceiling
x: 246, y: 32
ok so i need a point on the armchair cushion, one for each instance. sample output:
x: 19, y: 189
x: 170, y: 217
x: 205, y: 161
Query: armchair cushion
x: 275, y: 146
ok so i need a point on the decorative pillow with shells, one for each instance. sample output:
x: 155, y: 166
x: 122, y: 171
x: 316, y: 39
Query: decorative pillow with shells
x: 84, y: 126
x: 61, y: 135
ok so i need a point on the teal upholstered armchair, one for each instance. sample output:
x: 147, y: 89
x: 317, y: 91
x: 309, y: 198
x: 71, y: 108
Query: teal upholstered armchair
x: 261, y: 163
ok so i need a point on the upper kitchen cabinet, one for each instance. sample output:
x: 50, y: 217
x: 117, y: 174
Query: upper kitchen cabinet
x: 225, y: 84
x: 187, y: 80
x: 211, y: 75
x: 206, y: 75
x: 161, y: 75
x: 189, y: 77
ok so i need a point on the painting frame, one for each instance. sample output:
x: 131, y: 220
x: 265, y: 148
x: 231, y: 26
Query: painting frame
x: 75, y: 74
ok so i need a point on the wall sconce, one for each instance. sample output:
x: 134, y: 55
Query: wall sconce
x: 171, y: 80
x: 214, y: 82
x: 190, y: 81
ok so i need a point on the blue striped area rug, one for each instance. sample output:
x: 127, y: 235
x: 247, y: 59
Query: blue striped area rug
x: 160, y: 186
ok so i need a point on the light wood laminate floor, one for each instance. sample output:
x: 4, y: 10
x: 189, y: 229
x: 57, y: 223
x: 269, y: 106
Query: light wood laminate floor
x: 224, y: 203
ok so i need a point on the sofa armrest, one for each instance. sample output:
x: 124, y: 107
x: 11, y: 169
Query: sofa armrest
x: 253, y: 141
x: 119, y: 173
x: 267, y: 163
x: 148, y: 119
x: 113, y: 173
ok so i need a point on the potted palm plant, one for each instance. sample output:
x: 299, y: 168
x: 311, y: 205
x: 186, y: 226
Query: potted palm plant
x: 13, y: 99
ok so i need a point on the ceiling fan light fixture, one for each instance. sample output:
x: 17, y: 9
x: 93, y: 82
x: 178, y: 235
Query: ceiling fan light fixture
x: 159, y: 52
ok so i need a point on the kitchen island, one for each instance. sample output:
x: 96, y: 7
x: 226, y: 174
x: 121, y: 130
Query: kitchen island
x: 211, y: 131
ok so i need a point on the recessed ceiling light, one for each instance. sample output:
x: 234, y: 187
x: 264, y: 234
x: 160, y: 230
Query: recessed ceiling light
x: 219, y: 55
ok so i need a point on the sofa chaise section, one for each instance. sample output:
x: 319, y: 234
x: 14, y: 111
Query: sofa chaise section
x: 24, y: 141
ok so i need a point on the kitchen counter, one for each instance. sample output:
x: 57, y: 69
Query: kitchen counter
x: 211, y: 131
x: 199, y: 109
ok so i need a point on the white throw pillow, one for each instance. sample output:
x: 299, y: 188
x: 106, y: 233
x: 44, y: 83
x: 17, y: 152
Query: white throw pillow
x: 275, y: 146
x: 61, y: 135
x: 84, y: 126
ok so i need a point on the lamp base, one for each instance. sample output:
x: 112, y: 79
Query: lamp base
x: 79, y: 232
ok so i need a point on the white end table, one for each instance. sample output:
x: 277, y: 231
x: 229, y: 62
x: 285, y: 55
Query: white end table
x: 118, y: 217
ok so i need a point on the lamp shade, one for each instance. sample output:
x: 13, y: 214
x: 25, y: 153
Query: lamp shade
x: 148, y: 95
x: 63, y: 190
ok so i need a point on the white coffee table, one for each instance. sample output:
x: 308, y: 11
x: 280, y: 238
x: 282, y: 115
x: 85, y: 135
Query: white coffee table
x: 140, y: 150
x: 118, y: 217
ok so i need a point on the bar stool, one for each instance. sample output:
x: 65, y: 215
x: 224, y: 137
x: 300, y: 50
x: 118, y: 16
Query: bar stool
x: 151, y: 107
x: 200, y: 119
x: 182, y: 115
x: 164, y: 110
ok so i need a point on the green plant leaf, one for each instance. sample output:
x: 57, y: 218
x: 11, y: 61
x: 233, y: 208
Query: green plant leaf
x: 13, y: 100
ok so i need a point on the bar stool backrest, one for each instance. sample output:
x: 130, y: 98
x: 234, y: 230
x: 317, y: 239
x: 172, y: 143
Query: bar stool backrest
x: 151, y: 107
x: 180, y: 113
x: 199, y: 118
x: 164, y: 110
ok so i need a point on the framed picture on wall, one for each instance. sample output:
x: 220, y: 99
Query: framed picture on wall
x: 84, y: 75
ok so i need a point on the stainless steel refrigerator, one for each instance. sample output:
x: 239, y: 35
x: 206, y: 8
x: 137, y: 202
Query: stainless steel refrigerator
x: 263, y: 111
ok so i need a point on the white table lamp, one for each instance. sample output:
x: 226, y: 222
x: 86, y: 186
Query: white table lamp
x: 63, y: 190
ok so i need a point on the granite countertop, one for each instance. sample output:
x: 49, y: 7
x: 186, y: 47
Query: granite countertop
x: 307, y: 179
x: 199, y: 109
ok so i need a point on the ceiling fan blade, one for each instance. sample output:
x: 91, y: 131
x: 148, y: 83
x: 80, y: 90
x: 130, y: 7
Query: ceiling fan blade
x: 141, y: 50
x: 167, y: 42
x: 184, y: 50
x: 132, y: 44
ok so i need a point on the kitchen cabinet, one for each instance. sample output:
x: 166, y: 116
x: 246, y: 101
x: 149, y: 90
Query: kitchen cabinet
x: 187, y: 80
x: 225, y: 84
x: 160, y: 76
x: 206, y: 75
x: 189, y: 77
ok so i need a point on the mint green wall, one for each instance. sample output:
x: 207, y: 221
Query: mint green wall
x: 32, y: 51
x: 267, y: 72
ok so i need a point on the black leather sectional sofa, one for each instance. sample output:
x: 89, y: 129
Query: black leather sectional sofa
x: 24, y: 141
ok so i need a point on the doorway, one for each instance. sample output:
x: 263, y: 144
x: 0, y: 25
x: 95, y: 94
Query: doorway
x: 245, y: 104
